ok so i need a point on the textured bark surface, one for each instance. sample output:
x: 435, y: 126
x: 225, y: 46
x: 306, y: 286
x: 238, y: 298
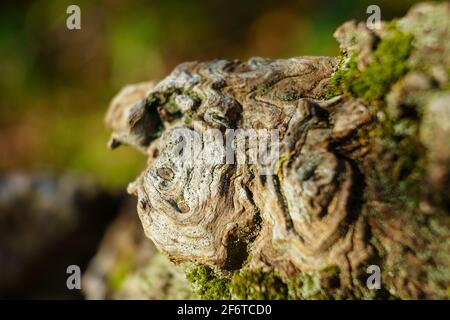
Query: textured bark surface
x: 362, y: 175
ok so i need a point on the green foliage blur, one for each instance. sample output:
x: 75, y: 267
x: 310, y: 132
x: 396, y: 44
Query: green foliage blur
x: 56, y: 83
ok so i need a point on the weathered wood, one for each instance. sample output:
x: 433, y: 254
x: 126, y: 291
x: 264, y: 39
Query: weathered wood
x: 361, y: 178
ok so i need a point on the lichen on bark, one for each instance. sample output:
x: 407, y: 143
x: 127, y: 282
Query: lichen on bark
x: 361, y: 179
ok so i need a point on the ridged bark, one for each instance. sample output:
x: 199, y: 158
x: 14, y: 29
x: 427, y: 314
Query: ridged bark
x: 362, y: 176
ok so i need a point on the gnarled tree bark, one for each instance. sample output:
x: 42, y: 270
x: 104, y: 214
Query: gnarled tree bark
x: 361, y: 179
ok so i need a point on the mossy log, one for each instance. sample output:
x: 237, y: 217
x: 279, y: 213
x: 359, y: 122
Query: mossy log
x: 361, y: 178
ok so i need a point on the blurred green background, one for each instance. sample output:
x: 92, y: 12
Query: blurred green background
x: 55, y: 83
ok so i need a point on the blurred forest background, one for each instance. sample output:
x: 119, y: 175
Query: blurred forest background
x: 55, y: 83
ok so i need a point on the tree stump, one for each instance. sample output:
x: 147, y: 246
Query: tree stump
x: 360, y: 178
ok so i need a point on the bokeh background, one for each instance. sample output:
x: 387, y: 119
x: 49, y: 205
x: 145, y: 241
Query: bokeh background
x: 55, y: 83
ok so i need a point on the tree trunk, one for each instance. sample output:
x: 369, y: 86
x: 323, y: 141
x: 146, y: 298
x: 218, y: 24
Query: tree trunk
x: 359, y: 183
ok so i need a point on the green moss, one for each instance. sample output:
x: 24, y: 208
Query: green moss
x: 263, y: 90
x: 333, y: 90
x: 188, y: 117
x: 247, y: 261
x: 305, y: 286
x: 158, y: 132
x: 290, y: 95
x: 446, y: 86
x: 257, y: 285
x: 244, y: 284
x: 342, y: 80
x: 165, y: 101
x: 332, y: 271
x: 118, y: 274
x: 387, y: 66
x: 398, y: 179
x: 254, y: 284
x: 311, y: 285
x: 207, y: 284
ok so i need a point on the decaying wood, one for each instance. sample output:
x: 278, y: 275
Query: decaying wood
x: 319, y: 209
